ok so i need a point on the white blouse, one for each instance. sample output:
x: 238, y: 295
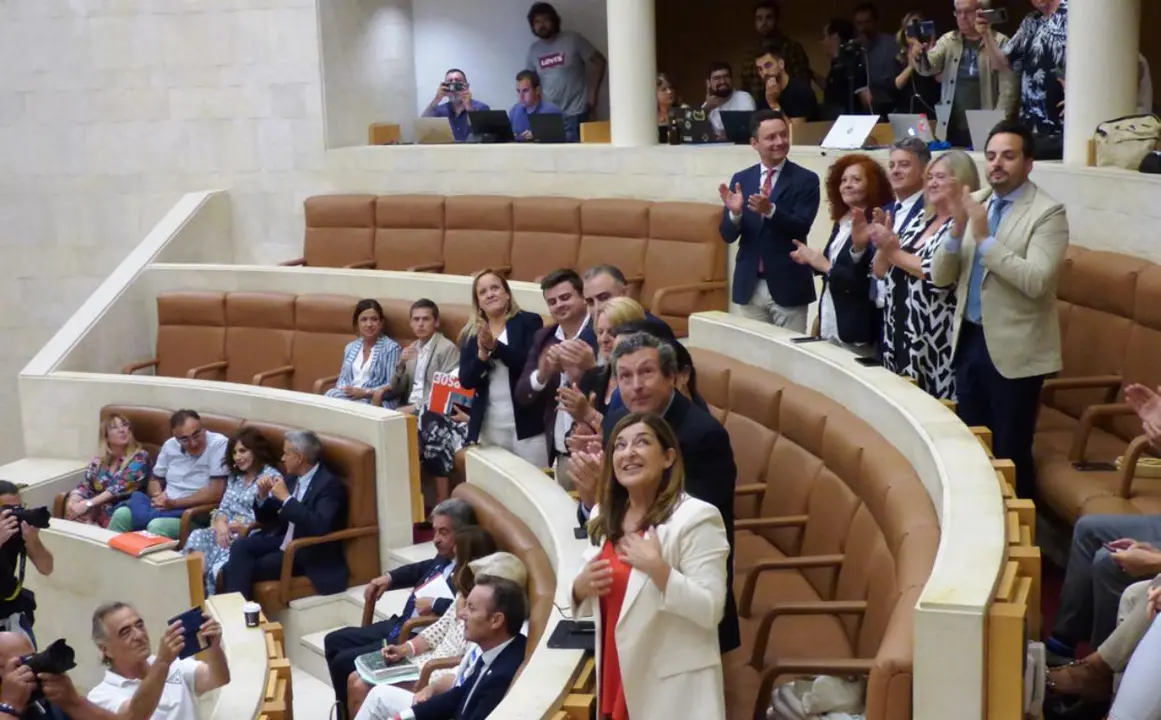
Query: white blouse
x: 828, y: 323
x: 362, y: 370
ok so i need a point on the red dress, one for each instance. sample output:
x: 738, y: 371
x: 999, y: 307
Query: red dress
x: 612, y: 691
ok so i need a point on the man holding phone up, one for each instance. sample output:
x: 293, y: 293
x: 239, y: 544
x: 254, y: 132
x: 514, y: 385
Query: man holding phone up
x: 458, y: 94
x: 971, y: 80
x: 123, y: 642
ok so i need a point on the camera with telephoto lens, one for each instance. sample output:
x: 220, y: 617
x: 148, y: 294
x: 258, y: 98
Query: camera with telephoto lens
x: 850, y: 53
x: 455, y: 86
x: 36, y: 517
x: 56, y: 659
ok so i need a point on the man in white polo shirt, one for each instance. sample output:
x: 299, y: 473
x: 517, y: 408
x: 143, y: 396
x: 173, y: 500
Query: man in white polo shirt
x: 123, y: 642
x: 190, y: 471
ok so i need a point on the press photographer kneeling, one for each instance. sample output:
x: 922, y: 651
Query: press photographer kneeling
x: 34, y: 686
x: 19, y: 542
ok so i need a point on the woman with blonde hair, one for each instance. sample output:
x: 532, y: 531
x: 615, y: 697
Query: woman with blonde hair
x: 494, y: 346
x: 120, y: 467
x: 654, y: 581
x: 667, y: 99
x: 918, y: 93
x: 919, y: 315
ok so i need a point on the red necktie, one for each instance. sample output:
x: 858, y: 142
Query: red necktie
x: 767, y: 186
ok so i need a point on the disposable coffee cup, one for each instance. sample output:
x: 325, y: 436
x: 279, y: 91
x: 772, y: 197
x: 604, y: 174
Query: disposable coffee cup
x: 252, y: 610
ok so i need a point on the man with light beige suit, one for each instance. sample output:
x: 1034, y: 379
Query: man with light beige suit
x: 1004, y: 256
x: 421, y: 360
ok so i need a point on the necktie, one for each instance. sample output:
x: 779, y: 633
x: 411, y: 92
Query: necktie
x: 974, y: 312
x: 473, y: 660
x: 767, y: 188
x: 476, y: 675
x: 897, y: 216
x: 297, y: 495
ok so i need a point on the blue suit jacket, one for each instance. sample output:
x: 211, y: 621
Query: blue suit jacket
x: 490, y: 689
x: 322, y: 510
x: 521, y: 329
x: 795, y: 196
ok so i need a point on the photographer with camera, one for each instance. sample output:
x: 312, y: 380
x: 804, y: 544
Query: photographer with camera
x: 20, y: 542
x: 35, y: 686
x: 848, y: 85
x: 457, y: 93
x: 167, y: 681
x: 970, y: 78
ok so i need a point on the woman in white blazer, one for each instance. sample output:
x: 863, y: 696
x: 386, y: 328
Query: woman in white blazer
x: 655, y: 581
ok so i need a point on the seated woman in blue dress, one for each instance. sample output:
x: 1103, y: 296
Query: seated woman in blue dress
x: 369, y: 359
x: 250, y: 457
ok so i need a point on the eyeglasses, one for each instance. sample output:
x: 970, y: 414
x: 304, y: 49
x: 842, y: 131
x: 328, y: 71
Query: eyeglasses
x: 187, y: 439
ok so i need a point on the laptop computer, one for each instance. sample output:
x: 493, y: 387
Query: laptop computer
x: 547, y: 128
x: 490, y: 126
x: 980, y: 124
x: 850, y: 132
x: 905, y: 126
x: 433, y: 131
x: 696, y: 128
x: 736, y: 123
x: 809, y: 133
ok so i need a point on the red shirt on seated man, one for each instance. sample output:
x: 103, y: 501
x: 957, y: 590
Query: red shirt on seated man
x: 309, y: 502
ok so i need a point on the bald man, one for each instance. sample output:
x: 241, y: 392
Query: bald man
x: 62, y: 701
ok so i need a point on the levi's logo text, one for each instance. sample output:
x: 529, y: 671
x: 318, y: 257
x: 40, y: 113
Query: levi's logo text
x: 551, y: 60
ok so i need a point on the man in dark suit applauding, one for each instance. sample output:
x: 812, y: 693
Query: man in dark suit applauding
x: 308, y: 503
x: 646, y: 372
x: 341, y: 647
x: 493, y: 615
x: 768, y: 207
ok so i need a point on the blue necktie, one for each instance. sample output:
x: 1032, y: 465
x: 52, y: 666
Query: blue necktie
x: 474, y: 661
x: 974, y: 312
x: 475, y: 676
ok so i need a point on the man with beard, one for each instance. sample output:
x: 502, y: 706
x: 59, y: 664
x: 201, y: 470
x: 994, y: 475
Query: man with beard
x: 1004, y: 255
x: 721, y: 95
x: 571, y: 70
x: 766, y: 19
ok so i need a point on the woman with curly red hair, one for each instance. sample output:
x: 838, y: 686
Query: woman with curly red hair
x: 847, y: 316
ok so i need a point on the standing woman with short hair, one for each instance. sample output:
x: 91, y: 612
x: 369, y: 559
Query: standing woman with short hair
x: 494, y: 347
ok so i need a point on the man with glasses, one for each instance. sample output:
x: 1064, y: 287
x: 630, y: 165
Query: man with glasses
x: 971, y: 80
x: 190, y: 471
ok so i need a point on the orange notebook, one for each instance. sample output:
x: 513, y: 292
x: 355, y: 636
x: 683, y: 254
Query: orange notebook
x: 141, y: 543
x: 446, y: 391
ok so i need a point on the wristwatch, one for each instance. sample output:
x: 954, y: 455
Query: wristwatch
x: 89, y: 504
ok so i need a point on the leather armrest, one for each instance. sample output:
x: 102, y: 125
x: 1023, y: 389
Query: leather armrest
x: 1112, y: 383
x: 746, y: 600
x: 1133, y: 453
x: 134, y: 367
x: 822, y: 607
x: 361, y: 265
x: 415, y: 624
x: 187, y: 517
x: 750, y: 489
x: 265, y: 375
x: 431, y: 666
x: 59, y: 503
x: 426, y: 267
x: 657, y: 306
x: 770, y: 523
x: 829, y: 666
x: 293, y: 263
x: 219, y: 365
x: 323, y: 384
x: 300, y: 543
x: 1088, y: 420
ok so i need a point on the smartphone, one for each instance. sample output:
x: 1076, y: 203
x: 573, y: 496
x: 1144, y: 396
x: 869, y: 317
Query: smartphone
x: 191, y: 622
x: 1094, y: 466
x: 807, y: 339
x: 995, y: 16
x: 868, y: 361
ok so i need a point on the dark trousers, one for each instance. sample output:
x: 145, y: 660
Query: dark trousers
x: 341, y: 647
x: 253, y: 558
x: 572, y: 125
x: 1093, y: 582
x: 1007, y: 406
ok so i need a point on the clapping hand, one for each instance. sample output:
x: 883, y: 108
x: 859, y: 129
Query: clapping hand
x: 593, y: 581
x: 734, y: 201
x: 574, y: 402
x: 486, y: 339
x: 584, y: 439
x: 584, y: 468
x: 576, y: 356
x: 860, y: 231
x: 409, y: 352
x: 279, y: 490
x: 805, y: 255
x: 549, y: 363
x: 759, y: 203
x: 967, y: 212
